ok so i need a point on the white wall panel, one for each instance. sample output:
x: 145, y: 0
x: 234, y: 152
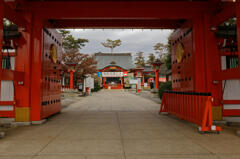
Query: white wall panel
x: 7, y: 91
x: 231, y: 90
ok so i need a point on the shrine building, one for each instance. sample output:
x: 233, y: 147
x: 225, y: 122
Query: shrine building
x: 112, y: 68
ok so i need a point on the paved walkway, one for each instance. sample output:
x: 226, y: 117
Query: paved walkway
x: 116, y: 125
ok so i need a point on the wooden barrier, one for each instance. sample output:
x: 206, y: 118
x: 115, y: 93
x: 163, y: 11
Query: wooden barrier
x: 193, y: 107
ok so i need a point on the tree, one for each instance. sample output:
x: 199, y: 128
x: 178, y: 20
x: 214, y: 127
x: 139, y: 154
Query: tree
x: 139, y: 59
x: 85, y: 64
x: 151, y: 58
x: 73, y: 56
x: 112, y: 44
x: 70, y: 43
x: 168, y: 60
x: 161, y: 49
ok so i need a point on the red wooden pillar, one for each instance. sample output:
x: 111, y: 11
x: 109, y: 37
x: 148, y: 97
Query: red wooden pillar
x: 157, y: 79
x: 238, y: 28
x: 23, y: 64
x: 104, y: 81
x: 36, y: 63
x: 121, y: 82
x: 1, y: 38
x: 71, y: 79
x: 143, y: 79
x: 212, y: 61
x: 199, y: 55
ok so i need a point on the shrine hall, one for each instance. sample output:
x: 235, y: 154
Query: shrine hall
x: 112, y: 68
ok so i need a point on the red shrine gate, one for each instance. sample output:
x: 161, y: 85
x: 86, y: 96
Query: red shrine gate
x: 196, y: 64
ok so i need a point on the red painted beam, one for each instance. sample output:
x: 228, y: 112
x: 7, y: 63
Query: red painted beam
x: 113, y: 23
x: 231, y: 112
x: 12, y: 75
x: 118, y: 9
x: 238, y: 28
x: 227, y: 11
x: 228, y: 74
x: 1, y: 39
x: 231, y: 102
x: 7, y: 103
x: 14, y: 16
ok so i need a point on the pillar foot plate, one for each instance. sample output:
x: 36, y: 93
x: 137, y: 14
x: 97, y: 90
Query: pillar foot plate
x: 39, y: 122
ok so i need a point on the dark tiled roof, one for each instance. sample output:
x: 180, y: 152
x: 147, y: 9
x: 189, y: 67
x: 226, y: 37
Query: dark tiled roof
x: 164, y: 70
x: 148, y: 69
x: 123, y: 60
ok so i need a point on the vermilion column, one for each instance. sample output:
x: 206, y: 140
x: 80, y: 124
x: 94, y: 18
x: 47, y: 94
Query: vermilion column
x: 1, y: 39
x: 71, y: 79
x: 157, y: 79
x: 143, y: 79
x: 121, y: 82
x: 36, y: 63
x: 104, y: 81
x: 238, y: 28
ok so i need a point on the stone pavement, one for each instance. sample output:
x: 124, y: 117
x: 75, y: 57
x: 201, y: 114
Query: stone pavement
x: 114, y: 124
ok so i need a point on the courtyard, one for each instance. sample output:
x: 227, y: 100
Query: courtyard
x: 116, y: 124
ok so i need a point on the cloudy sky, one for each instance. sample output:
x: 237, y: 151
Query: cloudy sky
x: 132, y: 40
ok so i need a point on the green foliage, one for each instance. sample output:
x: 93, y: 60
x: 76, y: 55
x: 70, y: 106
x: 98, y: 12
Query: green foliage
x: 168, y: 60
x: 112, y: 44
x: 139, y: 59
x: 151, y: 58
x: 147, y: 76
x: 161, y: 49
x: 164, y: 86
x: 70, y: 43
x: 97, y: 87
x: 165, y: 53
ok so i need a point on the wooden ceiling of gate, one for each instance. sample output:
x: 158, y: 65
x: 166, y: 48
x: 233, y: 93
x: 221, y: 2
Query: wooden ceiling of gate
x: 116, y: 13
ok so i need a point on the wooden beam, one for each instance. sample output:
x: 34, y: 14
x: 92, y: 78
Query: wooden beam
x: 1, y: 39
x: 238, y: 29
x: 113, y: 23
x: 16, y: 17
x: 228, y: 11
x: 228, y: 74
x: 117, y: 9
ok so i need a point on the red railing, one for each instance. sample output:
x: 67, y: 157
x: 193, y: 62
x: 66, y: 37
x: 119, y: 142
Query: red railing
x: 65, y: 88
x: 7, y: 113
x: 193, y: 107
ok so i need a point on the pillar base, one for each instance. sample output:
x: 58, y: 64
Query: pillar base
x: 39, y: 122
x: 6, y: 120
x: 22, y: 114
x: 138, y: 90
x: 22, y: 123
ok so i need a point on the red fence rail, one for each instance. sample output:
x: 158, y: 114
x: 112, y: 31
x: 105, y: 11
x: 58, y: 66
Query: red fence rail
x: 7, y: 113
x: 193, y: 107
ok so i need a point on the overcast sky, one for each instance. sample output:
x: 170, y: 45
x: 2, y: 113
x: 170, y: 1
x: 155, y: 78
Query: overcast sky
x: 132, y: 40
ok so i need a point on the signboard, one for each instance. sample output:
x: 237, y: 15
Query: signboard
x: 88, y: 82
x: 139, y: 83
x: 99, y: 74
x: 112, y: 74
x: 133, y: 81
x: 91, y: 83
x: 125, y: 74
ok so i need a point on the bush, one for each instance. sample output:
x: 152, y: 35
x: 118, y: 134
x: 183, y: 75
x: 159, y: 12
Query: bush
x: 164, y: 86
x: 97, y: 87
